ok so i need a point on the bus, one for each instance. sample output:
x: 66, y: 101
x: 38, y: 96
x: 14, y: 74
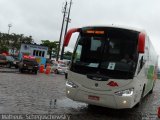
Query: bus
x: 111, y: 66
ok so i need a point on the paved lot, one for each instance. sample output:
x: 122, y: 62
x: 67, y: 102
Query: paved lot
x: 45, y: 94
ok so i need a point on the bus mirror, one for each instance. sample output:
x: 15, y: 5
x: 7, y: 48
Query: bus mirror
x: 141, y: 43
x: 68, y: 36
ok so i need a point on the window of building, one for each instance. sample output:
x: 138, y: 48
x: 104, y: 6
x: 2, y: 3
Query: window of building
x: 37, y: 52
x: 34, y: 52
x: 43, y: 53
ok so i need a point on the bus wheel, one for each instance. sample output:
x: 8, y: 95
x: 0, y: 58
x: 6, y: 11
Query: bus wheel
x: 90, y: 106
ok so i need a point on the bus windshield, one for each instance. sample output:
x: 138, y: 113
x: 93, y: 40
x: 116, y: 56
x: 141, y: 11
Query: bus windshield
x: 113, y: 53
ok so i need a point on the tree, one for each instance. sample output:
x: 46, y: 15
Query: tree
x: 17, y: 40
x: 67, y: 55
x: 13, y: 41
x: 3, y: 49
x: 52, y: 46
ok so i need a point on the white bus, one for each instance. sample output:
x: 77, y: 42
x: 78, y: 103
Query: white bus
x: 111, y: 66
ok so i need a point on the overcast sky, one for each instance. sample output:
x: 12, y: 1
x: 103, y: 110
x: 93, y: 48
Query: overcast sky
x: 42, y: 19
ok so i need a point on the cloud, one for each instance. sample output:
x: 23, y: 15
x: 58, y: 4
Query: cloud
x: 42, y: 19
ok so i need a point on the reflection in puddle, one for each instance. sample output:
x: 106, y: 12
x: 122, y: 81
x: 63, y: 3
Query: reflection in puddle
x: 80, y: 111
x: 67, y: 103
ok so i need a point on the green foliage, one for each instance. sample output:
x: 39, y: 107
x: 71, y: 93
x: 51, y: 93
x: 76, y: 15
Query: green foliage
x: 3, y: 48
x: 13, y: 41
x: 67, y: 55
x: 52, y: 46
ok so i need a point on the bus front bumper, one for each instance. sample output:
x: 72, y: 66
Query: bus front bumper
x: 103, y: 99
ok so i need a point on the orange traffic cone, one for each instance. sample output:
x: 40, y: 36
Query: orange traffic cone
x: 158, y: 113
x: 41, y: 69
x: 48, y: 69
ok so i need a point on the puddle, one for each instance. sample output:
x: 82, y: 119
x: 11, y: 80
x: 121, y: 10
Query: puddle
x: 67, y: 103
x: 1, y: 109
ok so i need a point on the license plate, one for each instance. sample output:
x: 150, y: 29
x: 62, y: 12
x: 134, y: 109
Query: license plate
x: 30, y: 67
x: 91, y: 97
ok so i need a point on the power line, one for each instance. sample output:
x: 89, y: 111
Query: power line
x: 64, y: 15
x: 68, y: 20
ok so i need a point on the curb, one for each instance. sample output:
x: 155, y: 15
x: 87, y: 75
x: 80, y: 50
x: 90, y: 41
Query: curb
x: 8, y: 71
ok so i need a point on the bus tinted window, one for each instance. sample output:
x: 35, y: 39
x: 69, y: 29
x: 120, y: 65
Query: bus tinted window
x: 95, y: 52
x: 95, y: 43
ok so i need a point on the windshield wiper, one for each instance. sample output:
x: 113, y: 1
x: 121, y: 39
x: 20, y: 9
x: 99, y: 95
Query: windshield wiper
x: 98, y: 77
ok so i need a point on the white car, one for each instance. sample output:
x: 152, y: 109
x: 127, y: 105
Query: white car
x: 58, y: 68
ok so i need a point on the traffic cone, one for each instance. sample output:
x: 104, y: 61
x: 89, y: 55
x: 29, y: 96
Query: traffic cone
x: 158, y: 113
x: 48, y: 69
x: 41, y: 69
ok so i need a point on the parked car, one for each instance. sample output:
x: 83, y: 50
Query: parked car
x: 29, y: 65
x: 16, y: 61
x: 64, y: 61
x: 7, y: 61
x: 10, y: 61
x: 3, y: 60
x: 58, y: 68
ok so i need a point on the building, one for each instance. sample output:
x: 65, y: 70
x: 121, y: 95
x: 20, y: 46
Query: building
x: 38, y: 51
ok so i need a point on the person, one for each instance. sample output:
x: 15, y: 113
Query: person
x: 127, y: 59
x: 130, y: 62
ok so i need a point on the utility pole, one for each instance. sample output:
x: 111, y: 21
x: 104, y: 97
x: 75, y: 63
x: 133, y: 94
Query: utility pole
x: 9, y: 46
x: 64, y: 15
x: 68, y: 20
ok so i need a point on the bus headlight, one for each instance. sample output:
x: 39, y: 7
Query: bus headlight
x: 127, y: 92
x: 71, y: 84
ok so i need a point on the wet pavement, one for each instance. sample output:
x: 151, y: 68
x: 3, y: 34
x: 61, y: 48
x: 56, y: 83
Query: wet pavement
x: 45, y: 94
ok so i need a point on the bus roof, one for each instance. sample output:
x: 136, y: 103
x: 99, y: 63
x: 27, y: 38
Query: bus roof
x: 118, y: 26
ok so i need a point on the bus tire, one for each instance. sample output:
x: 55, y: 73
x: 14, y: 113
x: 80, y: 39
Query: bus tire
x: 90, y: 106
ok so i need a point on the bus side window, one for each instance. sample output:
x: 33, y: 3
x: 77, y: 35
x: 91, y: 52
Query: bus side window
x: 141, y: 62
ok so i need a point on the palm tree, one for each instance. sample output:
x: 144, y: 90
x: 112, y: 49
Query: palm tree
x: 52, y: 46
